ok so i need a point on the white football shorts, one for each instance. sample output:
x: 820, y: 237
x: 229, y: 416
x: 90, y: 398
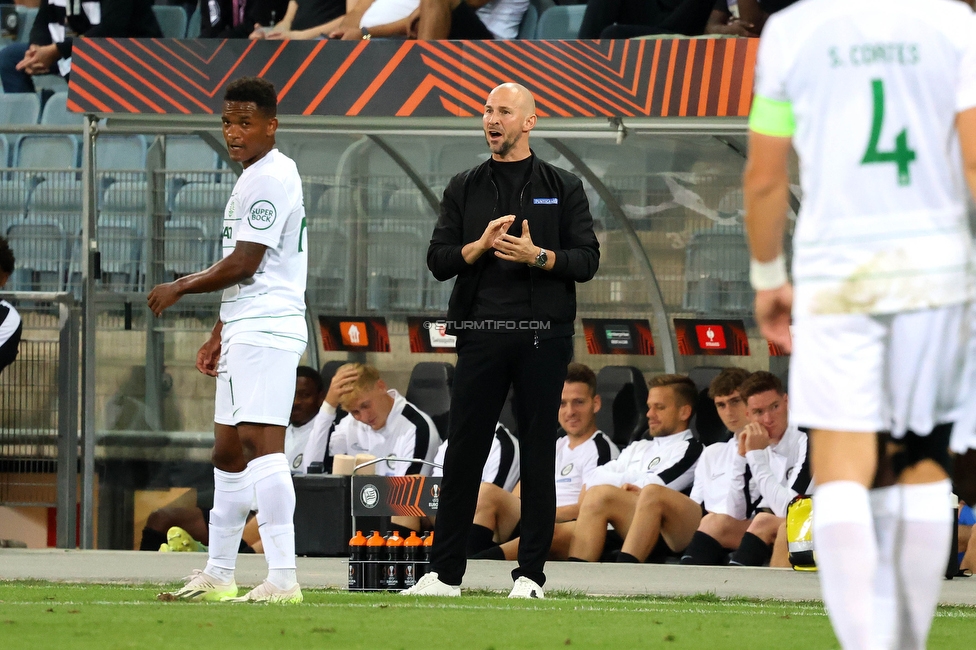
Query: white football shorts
x: 889, y: 372
x: 255, y: 384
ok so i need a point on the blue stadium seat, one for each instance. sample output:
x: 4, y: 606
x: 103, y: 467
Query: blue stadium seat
x: 529, y: 24
x: 27, y: 16
x: 56, y: 112
x: 58, y: 199
x: 190, y: 153
x: 329, y: 282
x: 561, y: 22
x: 41, y: 253
x: 120, y: 153
x: 121, y: 228
x: 396, y: 255
x: 717, y: 272
x: 13, y: 202
x: 202, y: 204
x: 46, y: 152
x: 187, y: 248
x: 19, y: 108
x: 193, y: 23
x: 172, y: 20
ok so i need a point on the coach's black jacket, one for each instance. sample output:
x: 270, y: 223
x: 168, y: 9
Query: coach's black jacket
x: 563, y: 226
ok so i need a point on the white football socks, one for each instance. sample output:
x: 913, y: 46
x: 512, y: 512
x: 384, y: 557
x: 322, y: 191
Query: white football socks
x: 847, y: 558
x: 276, y: 516
x: 233, y: 497
x: 922, y: 556
x: 886, y: 508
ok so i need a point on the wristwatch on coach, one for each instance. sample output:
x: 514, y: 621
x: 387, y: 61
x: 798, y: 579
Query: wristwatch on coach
x: 541, y: 259
x: 366, y: 34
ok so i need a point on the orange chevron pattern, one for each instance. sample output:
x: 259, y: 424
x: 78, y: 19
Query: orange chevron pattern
x: 631, y: 78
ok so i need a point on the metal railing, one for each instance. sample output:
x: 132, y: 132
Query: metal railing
x: 39, y: 432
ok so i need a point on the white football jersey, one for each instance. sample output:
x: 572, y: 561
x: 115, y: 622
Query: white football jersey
x: 502, y: 466
x: 266, y: 207
x: 573, y: 466
x: 875, y: 86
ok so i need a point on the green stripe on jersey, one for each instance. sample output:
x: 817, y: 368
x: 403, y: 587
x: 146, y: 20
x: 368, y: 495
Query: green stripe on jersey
x: 771, y: 117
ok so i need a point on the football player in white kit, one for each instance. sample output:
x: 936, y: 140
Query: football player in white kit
x: 253, y: 350
x: 871, y: 94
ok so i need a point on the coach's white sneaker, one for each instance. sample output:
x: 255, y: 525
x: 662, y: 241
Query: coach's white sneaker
x: 269, y: 593
x: 526, y: 588
x: 202, y: 587
x: 430, y: 585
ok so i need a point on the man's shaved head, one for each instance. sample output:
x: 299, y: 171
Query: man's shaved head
x: 508, y: 119
x: 523, y: 97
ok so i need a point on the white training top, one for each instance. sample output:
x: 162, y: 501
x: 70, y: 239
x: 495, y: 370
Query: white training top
x: 665, y: 460
x: 503, y: 465
x: 875, y: 86
x: 408, y: 433
x: 9, y: 321
x: 574, y: 466
x: 713, y: 476
x: 296, y: 439
x: 384, y: 12
x: 503, y: 17
x: 776, y: 475
x: 266, y: 207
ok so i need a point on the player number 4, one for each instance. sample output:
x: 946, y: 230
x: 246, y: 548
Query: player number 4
x: 901, y: 155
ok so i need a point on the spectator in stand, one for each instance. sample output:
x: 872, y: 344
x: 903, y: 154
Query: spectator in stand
x: 667, y: 459
x: 583, y: 448
x: 305, y: 20
x: 49, y: 50
x: 379, y: 18
x: 630, y: 18
x: 665, y: 520
x: 10, y: 323
x: 239, y: 18
x: 470, y: 19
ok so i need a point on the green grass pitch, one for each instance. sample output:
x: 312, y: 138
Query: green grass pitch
x: 109, y: 617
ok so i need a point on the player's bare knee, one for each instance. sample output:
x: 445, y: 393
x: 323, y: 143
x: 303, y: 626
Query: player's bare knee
x: 765, y: 526
x: 652, y: 498
x: 599, y: 497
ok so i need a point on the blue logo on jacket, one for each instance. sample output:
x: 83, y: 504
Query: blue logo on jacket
x: 553, y: 201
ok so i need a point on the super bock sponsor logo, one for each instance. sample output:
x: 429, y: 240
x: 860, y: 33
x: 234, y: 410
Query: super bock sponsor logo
x: 369, y: 496
x: 262, y: 215
x: 654, y: 463
x: 566, y: 470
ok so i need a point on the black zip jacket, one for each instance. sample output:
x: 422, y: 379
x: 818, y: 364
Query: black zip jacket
x: 554, y: 204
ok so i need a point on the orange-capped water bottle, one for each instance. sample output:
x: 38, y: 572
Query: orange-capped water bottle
x: 413, y: 548
x: 375, y: 548
x: 424, y: 563
x: 392, y: 569
x: 357, y: 553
